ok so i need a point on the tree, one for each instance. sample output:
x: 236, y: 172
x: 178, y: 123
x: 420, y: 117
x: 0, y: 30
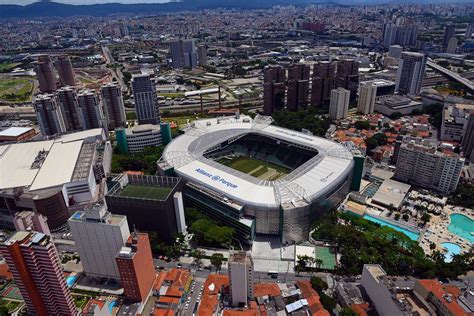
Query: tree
x: 328, y: 302
x: 397, y: 216
x: 396, y: 115
x: 347, y: 312
x: 360, y: 125
x: 318, y: 263
x: 318, y: 284
x: 216, y: 260
x: 405, y: 217
x: 425, y: 217
x: 463, y: 196
x: 198, y: 256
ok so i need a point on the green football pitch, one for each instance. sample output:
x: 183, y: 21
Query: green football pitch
x: 145, y: 192
x: 256, y: 168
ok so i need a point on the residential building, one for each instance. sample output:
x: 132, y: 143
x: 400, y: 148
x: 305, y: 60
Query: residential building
x: 240, y: 267
x: 99, y: 235
x: 454, y: 124
x: 112, y: 101
x: 45, y: 73
x: 49, y: 114
x: 348, y: 76
x: 171, y: 289
x: 323, y: 82
x: 183, y: 53
x: 428, y: 168
x: 467, y: 144
x: 367, y: 95
x: 469, y: 31
x: 65, y: 71
x: 274, y: 89
x: 395, y: 51
x: 449, y: 33
x: 298, y: 87
x: 67, y: 98
x: 157, y: 212
x: 339, y: 106
x: 90, y: 110
x: 202, y: 54
x: 411, y: 70
x: 144, y: 96
x: 34, y: 263
x: 452, y: 46
x: 135, y: 139
x: 31, y: 221
x: 136, y: 268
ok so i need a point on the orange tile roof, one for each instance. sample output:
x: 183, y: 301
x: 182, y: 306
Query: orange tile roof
x: 438, y: 290
x: 209, y: 298
x: 140, y: 173
x: 159, y: 281
x: 168, y: 299
x: 5, y: 272
x: 99, y: 303
x: 312, y: 297
x: 360, y: 309
x: 262, y: 289
x: 163, y: 312
x: 248, y: 312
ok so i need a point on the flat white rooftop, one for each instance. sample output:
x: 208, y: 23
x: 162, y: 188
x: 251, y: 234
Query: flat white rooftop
x: 14, y: 131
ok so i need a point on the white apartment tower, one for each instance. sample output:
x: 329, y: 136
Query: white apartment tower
x: 90, y: 110
x: 240, y: 277
x: 339, y: 105
x: 144, y: 95
x: 367, y: 95
x: 99, y: 235
x: 112, y: 101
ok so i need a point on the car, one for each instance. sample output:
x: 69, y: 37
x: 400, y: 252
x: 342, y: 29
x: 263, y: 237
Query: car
x: 179, y: 265
x: 186, y: 306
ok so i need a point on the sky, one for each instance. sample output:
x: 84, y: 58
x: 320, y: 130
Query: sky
x: 24, y: 2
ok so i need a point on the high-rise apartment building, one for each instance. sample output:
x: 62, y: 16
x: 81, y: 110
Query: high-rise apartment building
x: 411, y: 70
x: 240, y: 277
x: 67, y: 98
x: 44, y: 70
x: 428, y: 168
x: 91, y: 112
x: 65, y: 71
x: 202, y: 54
x: 183, y: 53
x: 449, y: 32
x: 395, y: 51
x: 467, y: 144
x: 144, y: 95
x: 469, y: 31
x: 298, y: 87
x: 99, y: 235
x: 404, y: 35
x: 455, y: 120
x: 323, y: 82
x: 34, y: 263
x: 452, y: 45
x: 339, y: 106
x: 273, y: 89
x: 49, y: 114
x: 31, y: 221
x: 348, y: 76
x: 136, y: 268
x: 112, y: 101
x: 367, y: 95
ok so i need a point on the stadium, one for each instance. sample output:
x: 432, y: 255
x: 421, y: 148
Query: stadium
x: 249, y: 173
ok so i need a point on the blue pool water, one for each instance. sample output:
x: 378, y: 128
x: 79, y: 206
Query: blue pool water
x: 71, y: 279
x: 453, y: 249
x: 410, y: 234
x: 462, y: 226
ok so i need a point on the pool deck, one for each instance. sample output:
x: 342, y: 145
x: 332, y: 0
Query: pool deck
x: 437, y: 230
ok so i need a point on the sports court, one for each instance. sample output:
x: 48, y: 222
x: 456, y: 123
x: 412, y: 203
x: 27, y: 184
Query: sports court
x: 145, y: 192
x: 328, y: 257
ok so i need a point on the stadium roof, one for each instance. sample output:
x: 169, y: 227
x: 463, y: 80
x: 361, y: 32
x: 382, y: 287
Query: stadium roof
x: 313, y: 179
x: 54, y: 168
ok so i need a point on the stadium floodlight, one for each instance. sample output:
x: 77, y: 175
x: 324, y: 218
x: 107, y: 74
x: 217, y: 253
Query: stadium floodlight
x: 261, y: 121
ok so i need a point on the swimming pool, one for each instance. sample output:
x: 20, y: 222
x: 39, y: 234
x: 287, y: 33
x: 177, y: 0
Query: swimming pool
x: 410, y: 234
x: 462, y: 226
x: 71, y: 279
x: 453, y: 249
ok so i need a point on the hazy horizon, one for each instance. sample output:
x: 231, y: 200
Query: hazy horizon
x: 76, y: 2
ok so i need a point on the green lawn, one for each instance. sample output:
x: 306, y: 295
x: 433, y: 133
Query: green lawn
x: 247, y: 165
x: 328, y: 258
x: 16, y: 89
x: 145, y: 192
x: 6, y: 67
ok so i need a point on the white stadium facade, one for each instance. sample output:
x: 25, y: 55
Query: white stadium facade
x: 319, y: 175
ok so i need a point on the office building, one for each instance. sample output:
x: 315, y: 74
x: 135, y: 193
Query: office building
x: 455, y: 120
x: 449, y: 33
x: 240, y: 267
x: 144, y: 96
x: 183, y: 53
x: 49, y: 114
x: 469, y: 31
x: 348, y: 76
x: 411, y: 70
x: 136, y: 268
x: 274, y: 89
x: 323, y: 82
x: 202, y: 54
x: 65, y: 71
x: 156, y: 212
x: 298, y: 87
x: 395, y: 51
x: 452, y: 46
x: 397, y: 104
x: 67, y: 98
x: 99, y: 235
x: 404, y: 35
x: 428, y: 168
x: 45, y: 73
x: 34, y: 263
x: 467, y: 144
x: 135, y: 139
x: 31, y: 221
x: 339, y: 106
x: 112, y: 102
x: 91, y: 115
